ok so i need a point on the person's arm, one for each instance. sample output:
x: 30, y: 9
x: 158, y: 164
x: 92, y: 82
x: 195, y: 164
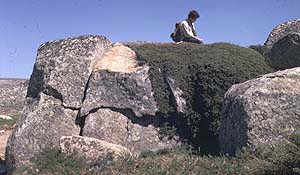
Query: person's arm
x: 195, y: 34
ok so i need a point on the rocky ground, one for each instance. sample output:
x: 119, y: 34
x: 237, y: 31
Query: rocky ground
x: 4, y: 134
x: 12, y: 97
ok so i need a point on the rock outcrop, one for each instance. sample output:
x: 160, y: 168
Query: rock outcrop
x: 282, y: 30
x: 54, y: 97
x: 285, y: 53
x: 86, y: 86
x: 261, y: 112
x: 12, y: 96
x: 90, y: 149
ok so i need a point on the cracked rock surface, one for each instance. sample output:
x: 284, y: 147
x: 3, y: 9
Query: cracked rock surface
x: 125, y: 129
x: 261, y: 112
x: 120, y: 90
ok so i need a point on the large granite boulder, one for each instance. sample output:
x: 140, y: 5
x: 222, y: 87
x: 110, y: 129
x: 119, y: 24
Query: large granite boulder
x: 12, y: 96
x: 285, y: 53
x: 42, y: 124
x: 56, y: 90
x: 90, y: 149
x: 282, y: 30
x: 261, y: 112
x: 63, y: 67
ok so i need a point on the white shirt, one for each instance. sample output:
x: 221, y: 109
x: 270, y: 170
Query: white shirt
x: 186, y: 30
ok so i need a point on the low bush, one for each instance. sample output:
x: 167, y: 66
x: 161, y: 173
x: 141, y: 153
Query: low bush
x: 260, y: 49
x: 204, y: 73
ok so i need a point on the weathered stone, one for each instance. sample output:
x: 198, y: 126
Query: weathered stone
x: 125, y: 129
x: 43, y: 123
x: 120, y: 90
x: 177, y: 95
x: 12, y: 96
x: 282, y: 30
x: 63, y: 67
x: 285, y: 53
x: 90, y: 149
x: 261, y: 112
x: 118, y: 81
x: 119, y: 58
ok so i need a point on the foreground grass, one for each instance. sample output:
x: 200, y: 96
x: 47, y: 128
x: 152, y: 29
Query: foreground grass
x: 283, y: 160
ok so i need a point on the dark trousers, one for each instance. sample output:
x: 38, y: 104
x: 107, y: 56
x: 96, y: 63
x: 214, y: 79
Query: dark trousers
x: 192, y: 40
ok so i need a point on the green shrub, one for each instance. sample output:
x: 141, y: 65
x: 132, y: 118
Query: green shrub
x: 259, y: 48
x: 204, y: 73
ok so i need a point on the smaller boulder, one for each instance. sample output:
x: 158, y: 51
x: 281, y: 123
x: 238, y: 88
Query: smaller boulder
x: 261, y: 112
x: 285, y: 53
x: 282, y: 30
x: 91, y: 149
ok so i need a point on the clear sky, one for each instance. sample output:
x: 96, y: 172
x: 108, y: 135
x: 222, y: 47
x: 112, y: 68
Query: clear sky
x: 25, y: 24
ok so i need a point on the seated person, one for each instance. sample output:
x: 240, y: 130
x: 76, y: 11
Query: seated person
x: 187, y: 29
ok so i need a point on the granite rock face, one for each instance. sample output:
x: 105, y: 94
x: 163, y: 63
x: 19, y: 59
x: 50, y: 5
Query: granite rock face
x: 119, y: 81
x: 261, y: 112
x: 285, y: 53
x: 90, y: 149
x: 63, y: 67
x: 282, y: 30
x: 42, y: 124
x: 120, y: 90
x: 12, y: 96
x: 125, y: 129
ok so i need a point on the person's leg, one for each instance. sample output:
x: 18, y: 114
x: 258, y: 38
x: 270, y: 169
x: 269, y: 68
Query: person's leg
x: 192, y: 40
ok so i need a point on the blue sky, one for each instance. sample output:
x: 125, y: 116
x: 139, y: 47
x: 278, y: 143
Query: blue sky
x: 25, y: 24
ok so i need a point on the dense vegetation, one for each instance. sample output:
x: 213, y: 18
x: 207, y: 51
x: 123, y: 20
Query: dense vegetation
x: 283, y: 160
x: 204, y: 73
x: 260, y: 49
